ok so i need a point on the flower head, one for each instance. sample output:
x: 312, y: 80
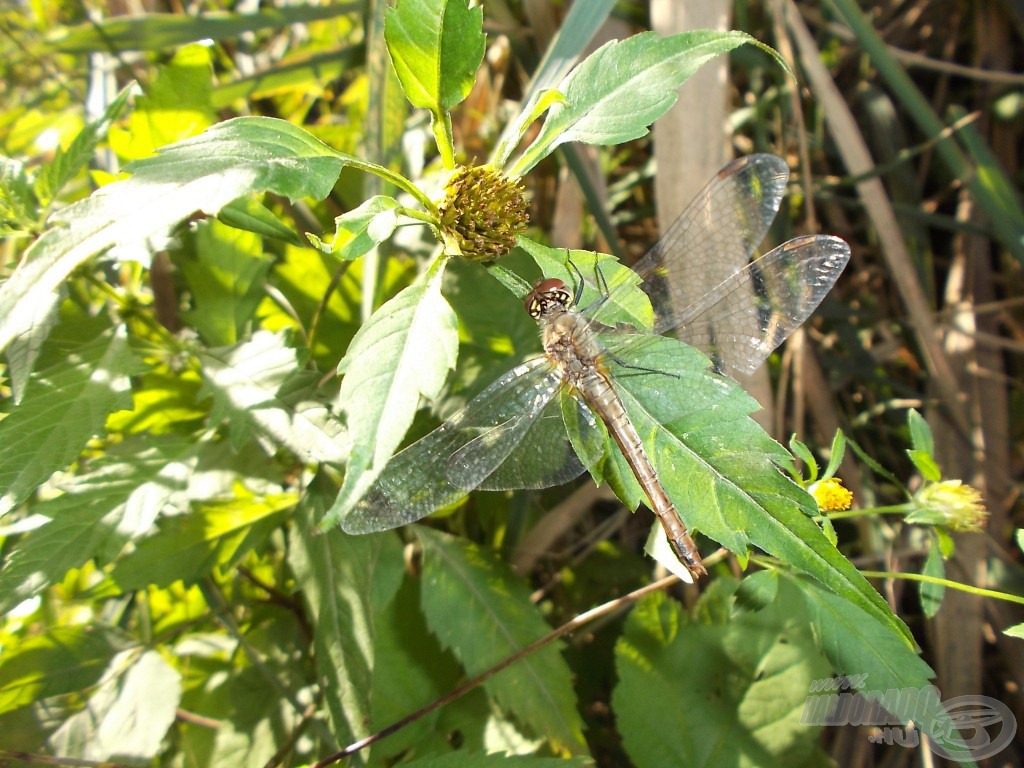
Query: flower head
x: 949, y: 503
x: 482, y: 212
x: 831, y: 495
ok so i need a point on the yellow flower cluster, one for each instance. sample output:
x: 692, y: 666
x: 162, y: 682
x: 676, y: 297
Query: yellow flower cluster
x: 831, y: 495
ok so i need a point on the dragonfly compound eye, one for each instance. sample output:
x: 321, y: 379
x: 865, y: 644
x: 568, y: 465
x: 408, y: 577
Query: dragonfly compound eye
x: 546, y: 294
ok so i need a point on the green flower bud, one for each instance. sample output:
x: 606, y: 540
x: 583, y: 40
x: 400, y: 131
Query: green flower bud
x: 482, y: 212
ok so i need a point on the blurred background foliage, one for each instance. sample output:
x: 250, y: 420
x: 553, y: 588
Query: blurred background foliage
x: 903, y: 127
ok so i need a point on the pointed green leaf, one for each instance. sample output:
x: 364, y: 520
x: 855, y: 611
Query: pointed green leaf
x: 226, y: 282
x: 624, y: 86
x: 920, y: 433
x: 252, y: 216
x: 720, y: 468
x: 64, y: 407
x: 187, y: 547
x: 248, y: 383
x: 343, y: 580
x: 205, y: 173
x: 64, y: 660
x: 494, y: 620
x: 127, y: 715
x: 893, y: 675
x: 436, y: 47
x: 362, y: 229
x: 96, y: 514
x: 66, y: 163
x: 402, y: 354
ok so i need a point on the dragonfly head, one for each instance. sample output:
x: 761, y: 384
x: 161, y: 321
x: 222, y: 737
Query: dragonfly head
x: 547, y: 295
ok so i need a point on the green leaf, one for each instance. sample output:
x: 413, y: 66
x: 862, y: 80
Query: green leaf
x: 494, y: 620
x: 342, y: 580
x: 66, y: 163
x: 1017, y: 630
x: 362, y: 229
x: 176, y: 105
x: 436, y: 47
x: 601, y: 274
x: 402, y: 354
x: 97, y: 513
x: 740, y: 705
x: 205, y: 173
x: 836, y: 453
x: 803, y: 453
x: 894, y: 676
x: 225, y: 274
x: 65, y: 406
x: 187, y: 547
x: 127, y: 715
x: 252, y: 216
x: 19, y: 206
x: 248, y: 382
x: 155, y: 31
x: 720, y: 468
x: 925, y: 464
x: 623, y: 87
x: 64, y: 660
x: 920, y: 433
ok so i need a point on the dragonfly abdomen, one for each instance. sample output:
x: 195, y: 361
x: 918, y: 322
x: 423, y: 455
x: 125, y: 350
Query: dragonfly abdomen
x: 602, y: 398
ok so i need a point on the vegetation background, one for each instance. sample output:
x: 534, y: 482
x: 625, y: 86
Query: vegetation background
x: 203, y: 639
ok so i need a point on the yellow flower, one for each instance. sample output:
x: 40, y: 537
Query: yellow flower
x: 949, y: 503
x: 482, y: 212
x: 831, y: 495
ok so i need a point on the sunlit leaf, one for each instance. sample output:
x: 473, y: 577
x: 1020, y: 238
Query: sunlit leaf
x: 623, y: 87
x: 231, y: 159
x: 247, y: 382
x: 64, y: 407
x: 96, y: 514
x: 402, y: 354
x: 62, y: 660
x: 127, y: 715
x: 187, y: 547
x: 436, y: 48
x: 175, y: 106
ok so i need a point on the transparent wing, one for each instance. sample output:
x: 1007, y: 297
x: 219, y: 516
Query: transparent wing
x: 740, y: 322
x: 714, y: 237
x: 755, y: 305
x: 466, y: 450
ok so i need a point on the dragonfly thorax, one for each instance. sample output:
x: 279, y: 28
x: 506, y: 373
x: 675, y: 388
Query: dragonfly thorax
x: 548, y: 296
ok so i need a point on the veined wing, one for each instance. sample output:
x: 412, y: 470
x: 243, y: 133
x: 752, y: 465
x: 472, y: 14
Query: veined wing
x: 464, y: 452
x: 714, y: 237
x: 741, y: 321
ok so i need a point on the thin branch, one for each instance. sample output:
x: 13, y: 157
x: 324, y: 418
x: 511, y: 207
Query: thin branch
x: 570, y: 626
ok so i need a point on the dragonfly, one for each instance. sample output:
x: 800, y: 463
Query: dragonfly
x: 514, y: 434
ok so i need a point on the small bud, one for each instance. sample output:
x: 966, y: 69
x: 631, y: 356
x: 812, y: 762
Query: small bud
x: 482, y: 212
x: 949, y: 503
